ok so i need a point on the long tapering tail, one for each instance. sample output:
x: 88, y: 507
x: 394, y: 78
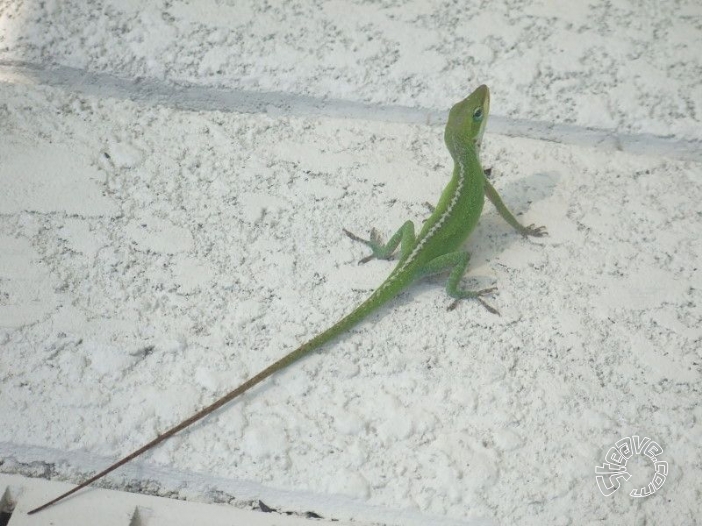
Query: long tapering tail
x: 381, y: 296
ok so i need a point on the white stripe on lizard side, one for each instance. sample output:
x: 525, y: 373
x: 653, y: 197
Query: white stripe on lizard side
x: 432, y: 231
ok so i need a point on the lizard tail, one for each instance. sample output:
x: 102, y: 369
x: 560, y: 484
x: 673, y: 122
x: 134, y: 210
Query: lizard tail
x: 388, y: 290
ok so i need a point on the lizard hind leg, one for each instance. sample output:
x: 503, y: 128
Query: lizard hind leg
x: 457, y: 262
x: 404, y: 237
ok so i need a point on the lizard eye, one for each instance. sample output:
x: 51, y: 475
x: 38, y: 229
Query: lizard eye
x: 478, y: 114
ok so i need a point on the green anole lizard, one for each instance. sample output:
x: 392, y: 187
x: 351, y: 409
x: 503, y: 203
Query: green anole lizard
x: 436, y: 249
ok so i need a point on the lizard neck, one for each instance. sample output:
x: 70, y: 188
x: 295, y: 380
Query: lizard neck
x: 458, y: 209
x: 461, y: 147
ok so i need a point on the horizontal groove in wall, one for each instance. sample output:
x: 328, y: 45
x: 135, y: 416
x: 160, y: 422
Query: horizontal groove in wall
x: 119, y: 508
x: 202, y: 98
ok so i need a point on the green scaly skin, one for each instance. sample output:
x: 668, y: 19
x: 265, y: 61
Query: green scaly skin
x: 436, y: 249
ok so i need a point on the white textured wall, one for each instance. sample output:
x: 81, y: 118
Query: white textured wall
x: 174, y: 181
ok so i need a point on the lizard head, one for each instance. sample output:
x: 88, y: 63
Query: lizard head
x: 467, y: 119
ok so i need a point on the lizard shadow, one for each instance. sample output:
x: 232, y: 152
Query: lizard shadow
x: 519, y: 196
x: 493, y: 234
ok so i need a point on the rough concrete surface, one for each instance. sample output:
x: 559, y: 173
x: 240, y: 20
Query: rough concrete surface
x: 174, y: 182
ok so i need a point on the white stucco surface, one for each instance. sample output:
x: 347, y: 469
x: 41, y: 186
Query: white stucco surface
x: 175, y: 179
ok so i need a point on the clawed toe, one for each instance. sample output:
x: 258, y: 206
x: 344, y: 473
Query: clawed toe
x: 353, y: 236
x: 535, y: 231
x: 477, y: 295
x: 489, y: 307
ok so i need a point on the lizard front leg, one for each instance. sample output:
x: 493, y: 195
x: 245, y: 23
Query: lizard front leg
x: 531, y: 230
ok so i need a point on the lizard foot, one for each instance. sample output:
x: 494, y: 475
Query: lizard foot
x: 534, y: 231
x: 375, y: 243
x: 476, y: 295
